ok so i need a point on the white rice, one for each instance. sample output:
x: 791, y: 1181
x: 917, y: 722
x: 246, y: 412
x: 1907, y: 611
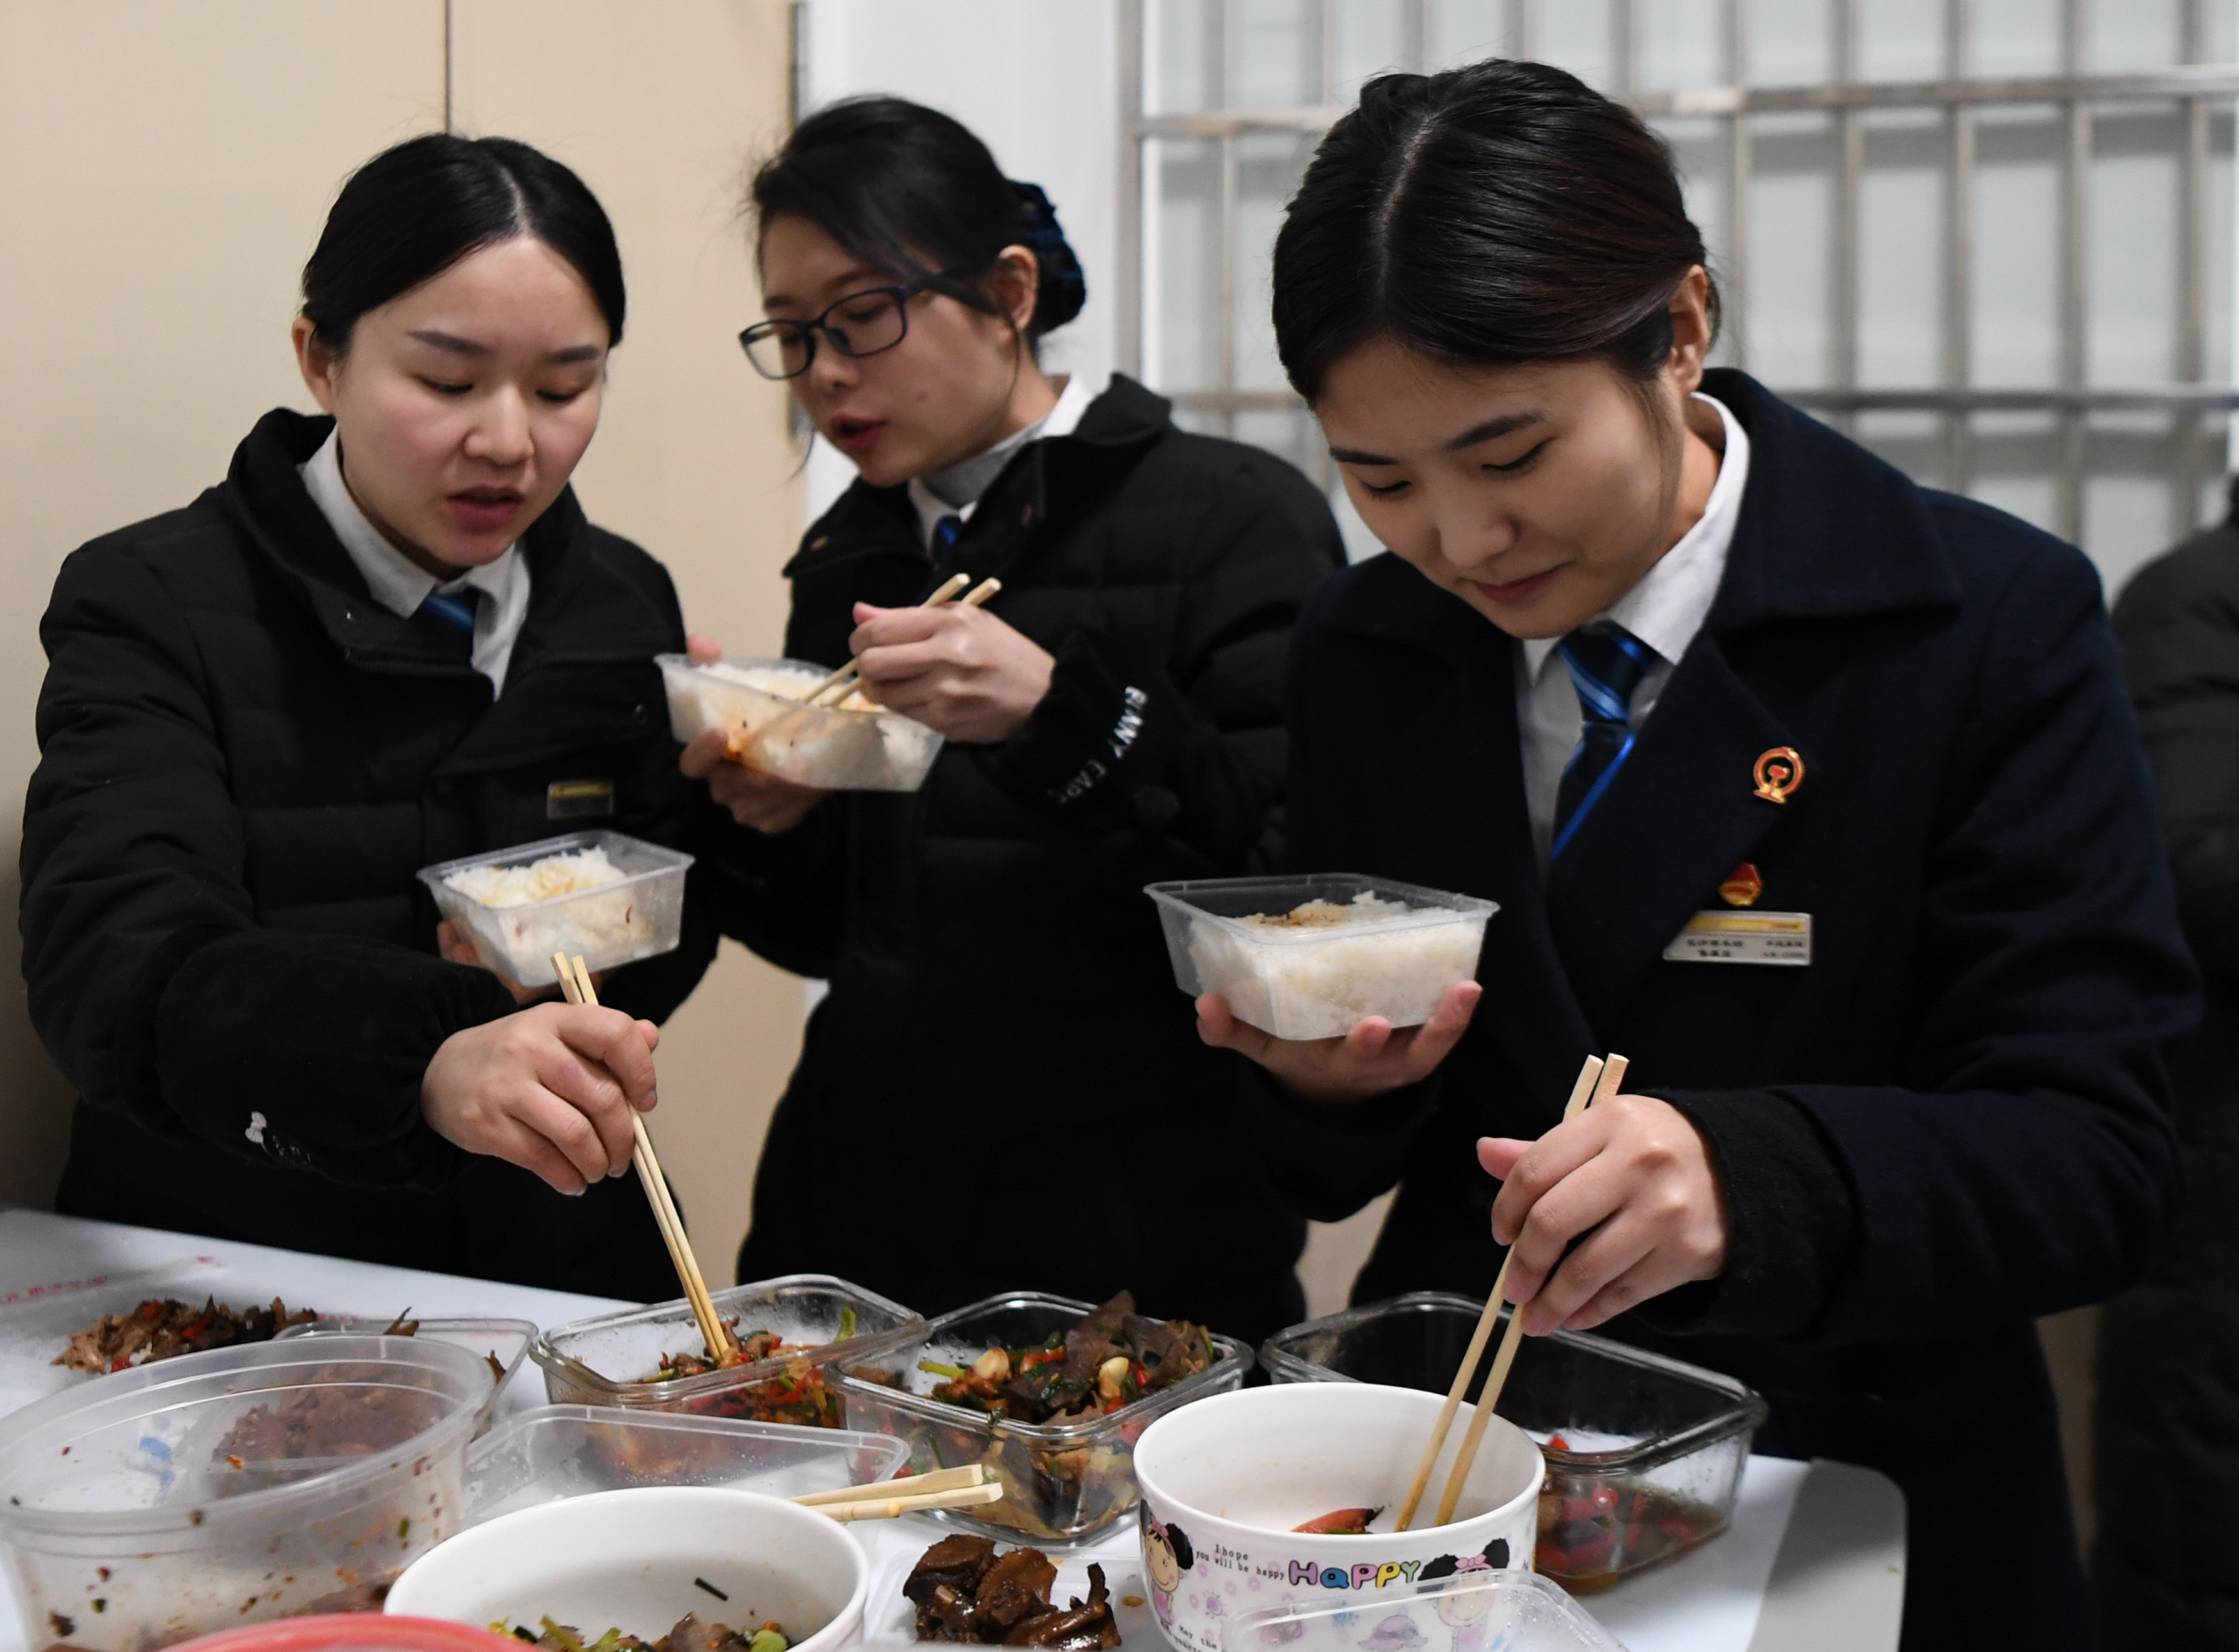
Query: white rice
x: 560, y: 874
x: 1316, y: 970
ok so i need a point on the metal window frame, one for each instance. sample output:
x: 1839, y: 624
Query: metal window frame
x: 2196, y: 87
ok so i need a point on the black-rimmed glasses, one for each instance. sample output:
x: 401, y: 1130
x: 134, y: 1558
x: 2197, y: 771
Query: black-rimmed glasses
x: 860, y: 324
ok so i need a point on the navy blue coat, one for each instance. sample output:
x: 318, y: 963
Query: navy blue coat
x: 1953, y: 1121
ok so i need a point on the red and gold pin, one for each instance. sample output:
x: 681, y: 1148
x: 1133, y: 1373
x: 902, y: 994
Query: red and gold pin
x: 1777, y: 773
x: 1742, y: 885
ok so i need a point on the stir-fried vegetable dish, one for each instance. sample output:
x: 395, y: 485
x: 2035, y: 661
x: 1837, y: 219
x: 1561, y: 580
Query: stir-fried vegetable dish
x: 164, y: 1326
x: 689, y: 1634
x: 796, y: 1393
x: 1592, y: 1533
x: 964, y: 1591
x: 1111, y: 1358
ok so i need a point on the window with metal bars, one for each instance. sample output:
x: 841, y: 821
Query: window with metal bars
x: 1992, y: 239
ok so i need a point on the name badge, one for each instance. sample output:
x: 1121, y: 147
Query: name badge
x: 1743, y: 937
x: 578, y: 800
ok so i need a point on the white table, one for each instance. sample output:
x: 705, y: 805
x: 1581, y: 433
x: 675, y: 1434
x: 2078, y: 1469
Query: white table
x: 1813, y: 1562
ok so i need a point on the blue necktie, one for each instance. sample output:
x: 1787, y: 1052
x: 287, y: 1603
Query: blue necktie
x: 454, y: 614
x: 946, y: 533
x: 1606, y: 668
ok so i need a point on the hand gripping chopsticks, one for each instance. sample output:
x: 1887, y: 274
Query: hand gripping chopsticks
x: 1596, y: 1081
x: 842, y: 683
x: 576, y: 983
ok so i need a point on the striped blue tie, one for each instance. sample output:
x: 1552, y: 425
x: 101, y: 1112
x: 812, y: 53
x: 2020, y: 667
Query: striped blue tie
x: 1606, y: 668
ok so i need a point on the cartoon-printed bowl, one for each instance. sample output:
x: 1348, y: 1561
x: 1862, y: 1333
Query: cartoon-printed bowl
x: 1225, y: 1481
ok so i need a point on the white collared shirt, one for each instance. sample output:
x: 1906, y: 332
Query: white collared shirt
x: 955, y: 491
x: 1665, y: 610
x: 400, y: 585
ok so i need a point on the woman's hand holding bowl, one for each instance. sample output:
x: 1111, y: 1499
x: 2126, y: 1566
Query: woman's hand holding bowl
x: 766, y: 804
x: 960, y: 671
x: 550, y: 1088
x: 1631, y: 1182
x: 1369, y: 1060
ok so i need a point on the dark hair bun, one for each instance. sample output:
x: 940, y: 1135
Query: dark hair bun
x: 1063, y: 288
x: 414, y: 210
x: 912, y: 192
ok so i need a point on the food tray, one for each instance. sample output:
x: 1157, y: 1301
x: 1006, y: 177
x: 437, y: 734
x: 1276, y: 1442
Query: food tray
x: 1318, y: 982
x: 592, y: 1362
x: 153, y: 1504
x: 1653, y: 1450
x: 1063, y: 1483
x: 502, y: 1344
x: 819, y: 746
x: 558, y: 1452
x: 1473, y: 1611
x: 641, y: 915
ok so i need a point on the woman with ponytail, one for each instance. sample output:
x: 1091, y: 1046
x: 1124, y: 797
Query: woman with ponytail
x: 999, y: 1043
x: 1812, y: 791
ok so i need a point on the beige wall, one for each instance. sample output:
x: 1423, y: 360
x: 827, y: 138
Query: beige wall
x: 165, y: 168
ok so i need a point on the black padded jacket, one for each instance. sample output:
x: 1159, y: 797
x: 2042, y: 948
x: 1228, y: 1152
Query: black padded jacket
x: 244, y: 761
x: 2168, y: 1362
x: 1004, y: 1088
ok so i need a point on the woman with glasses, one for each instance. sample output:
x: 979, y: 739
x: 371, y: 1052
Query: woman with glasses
x: 998, y: 1086
x: 388, y: 638
x: 1812, y: 792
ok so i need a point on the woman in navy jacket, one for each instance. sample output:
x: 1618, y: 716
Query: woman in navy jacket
x: 1733, y: 664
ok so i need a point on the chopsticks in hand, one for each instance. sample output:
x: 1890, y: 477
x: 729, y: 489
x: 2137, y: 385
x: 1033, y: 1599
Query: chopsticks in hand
x: 964, y: 1487
x: 843, y: 682
x: 1596, y: 1081
x: 575, y: 984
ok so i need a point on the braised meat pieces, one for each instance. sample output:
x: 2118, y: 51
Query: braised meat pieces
x: 964, y: 1591
x: 163, y: 1326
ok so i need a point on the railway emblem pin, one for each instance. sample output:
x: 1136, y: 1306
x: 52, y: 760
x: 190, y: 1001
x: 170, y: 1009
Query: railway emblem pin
x: 1777, y: 773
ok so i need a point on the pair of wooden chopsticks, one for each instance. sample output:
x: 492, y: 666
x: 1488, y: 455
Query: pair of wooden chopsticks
x: 842, y: 683
x: 964, y: 1488
x: 1597, y: 1081
x: 576, y: 983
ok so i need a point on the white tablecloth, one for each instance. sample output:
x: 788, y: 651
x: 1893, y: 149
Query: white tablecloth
x: 1711, y: 1601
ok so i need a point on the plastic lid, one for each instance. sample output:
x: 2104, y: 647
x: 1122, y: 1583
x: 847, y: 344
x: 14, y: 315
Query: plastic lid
x: 1514, y: 1611
x: 352, y: 1632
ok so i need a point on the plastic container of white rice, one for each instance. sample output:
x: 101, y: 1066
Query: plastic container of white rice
x: 853, y: 746
x: 605, y: 898
x: 1309, y: 957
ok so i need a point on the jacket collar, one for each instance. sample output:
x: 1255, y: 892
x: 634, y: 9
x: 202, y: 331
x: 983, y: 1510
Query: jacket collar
x: 1046, y: 483
x: 577, y: 611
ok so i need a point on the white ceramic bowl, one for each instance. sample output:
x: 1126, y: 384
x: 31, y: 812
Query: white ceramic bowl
x: 631, y: 1560
x: 1224, y: 1482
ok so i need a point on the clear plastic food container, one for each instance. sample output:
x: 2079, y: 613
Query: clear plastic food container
x: 199, y: 1493
x: 856, y: 749
x: 502, y: 1344
x: 1360, y: 946
x: 603, y: 1361
x: 558, y: 1452
x: 1473, y: 1611
x: 1645, y: 1454
x: 1063, y: 1483
x: 639, y: 915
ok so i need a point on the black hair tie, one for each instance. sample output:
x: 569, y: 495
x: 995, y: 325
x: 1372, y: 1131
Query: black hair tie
x: 1062, y: 288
